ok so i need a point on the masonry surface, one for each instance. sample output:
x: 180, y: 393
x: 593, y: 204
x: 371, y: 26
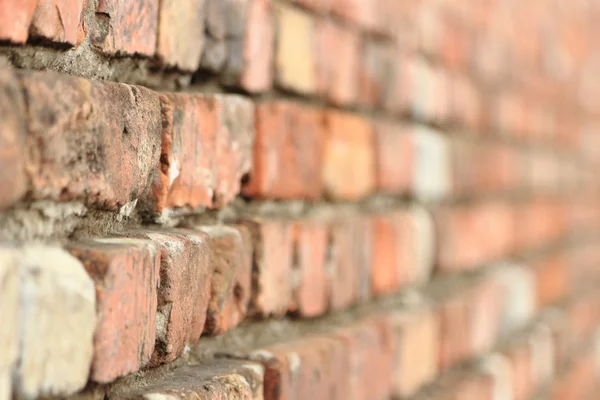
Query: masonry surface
x: 299, y: 199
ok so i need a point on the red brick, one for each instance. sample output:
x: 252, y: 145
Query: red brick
x: 471, y: 236
x: 60, y: 21
x: 542, y: 220
x: 454, y: 331
x: 126, y: 27
x: 370, y: 345
x: 374, y: 72
x: 272, y: 266
x: 416, y: 357
x: 287, y: 152
x: 399, y: 94
x: 350, y: 262
x: 337, y: 72
x: 15, y: 18
x: 97, y: 142
x: 484, y: 316
x: 12, y: 139
x: 206, y: 144
x: 349, y: 160
x: 211, y: 380
x: 466, y: 106
x: 519, y: 357
x: 310, y: 281
x: 184, y: 291
x: 360, y: 12
x: 314, y: 367
x: 402, y: 250
x: 395, y: 157
x: 126, y: 274
x: 257, y: 48
x: 181, y: 33
x: 552, y: 282
x: 295, y: 50
x: 231, y: 259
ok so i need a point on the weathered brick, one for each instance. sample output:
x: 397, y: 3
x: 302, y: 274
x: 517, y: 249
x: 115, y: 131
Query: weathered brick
x: 251, y: 55
x: 416, y: 356
x: 214, y: 380
x: 454, y: 330
x: 184, y: 292
x: 349, y: 159
x: 59, y: 21
x: 272, y: 266
x: 288, y: 152
x: 311, y: 367
x: 432, y: 169
x: 231, y: 258
x: 295, y: 54
x: 349, y: 261
x: 206, y: 146
x: 15, y: 19
x: 337, y: 72
x: 126, y: 27
x: 56, y: 297
x: 181, y: 33
x: 126, y: 274
x: 12, y: 139
x: 91, y: 141
x: 484, y: 316
x: 370, y: 344
x: 310, y: 275
x: 395, y: 146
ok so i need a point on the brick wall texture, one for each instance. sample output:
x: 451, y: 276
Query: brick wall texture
x: 299, y: 199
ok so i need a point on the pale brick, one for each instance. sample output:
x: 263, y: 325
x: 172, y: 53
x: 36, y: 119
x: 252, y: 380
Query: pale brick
x: 58, y: 317
x: 432, y: 179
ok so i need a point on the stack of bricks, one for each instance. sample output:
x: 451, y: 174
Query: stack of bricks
x: 299, y: 199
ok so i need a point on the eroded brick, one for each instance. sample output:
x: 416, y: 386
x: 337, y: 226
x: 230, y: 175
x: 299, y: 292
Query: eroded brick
x: 97, y: 142
x: 59, y: 21
x: 126, y: 26
x: 272, y: 266
x: 231, y: 282
x: 184, y: 292
x: 126, y: 274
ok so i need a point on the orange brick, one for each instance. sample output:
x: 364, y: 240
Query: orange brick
x: 60, y: 21
x: 15, y: 18
x: 349, y: 160
x: 288, y: 152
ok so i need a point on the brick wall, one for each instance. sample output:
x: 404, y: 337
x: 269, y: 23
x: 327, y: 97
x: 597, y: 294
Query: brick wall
x: 299, y: 199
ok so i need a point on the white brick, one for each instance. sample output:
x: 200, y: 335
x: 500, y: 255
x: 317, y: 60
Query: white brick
x: 57, y: 320
x: 432, y: 174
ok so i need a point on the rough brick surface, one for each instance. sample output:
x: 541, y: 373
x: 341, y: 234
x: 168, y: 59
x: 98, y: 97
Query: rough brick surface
x: 126, y: 27
x: 231, y: 260
x: 272, y: 266
x: 206, y: 147
x: 55, y: 296
x: 59, y: 21
x: 12, y: 139
x: 126, y: 274
x: 183, y: 295
x: 64, y: 161
x: 10, y: 330
x: 287, y: 152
